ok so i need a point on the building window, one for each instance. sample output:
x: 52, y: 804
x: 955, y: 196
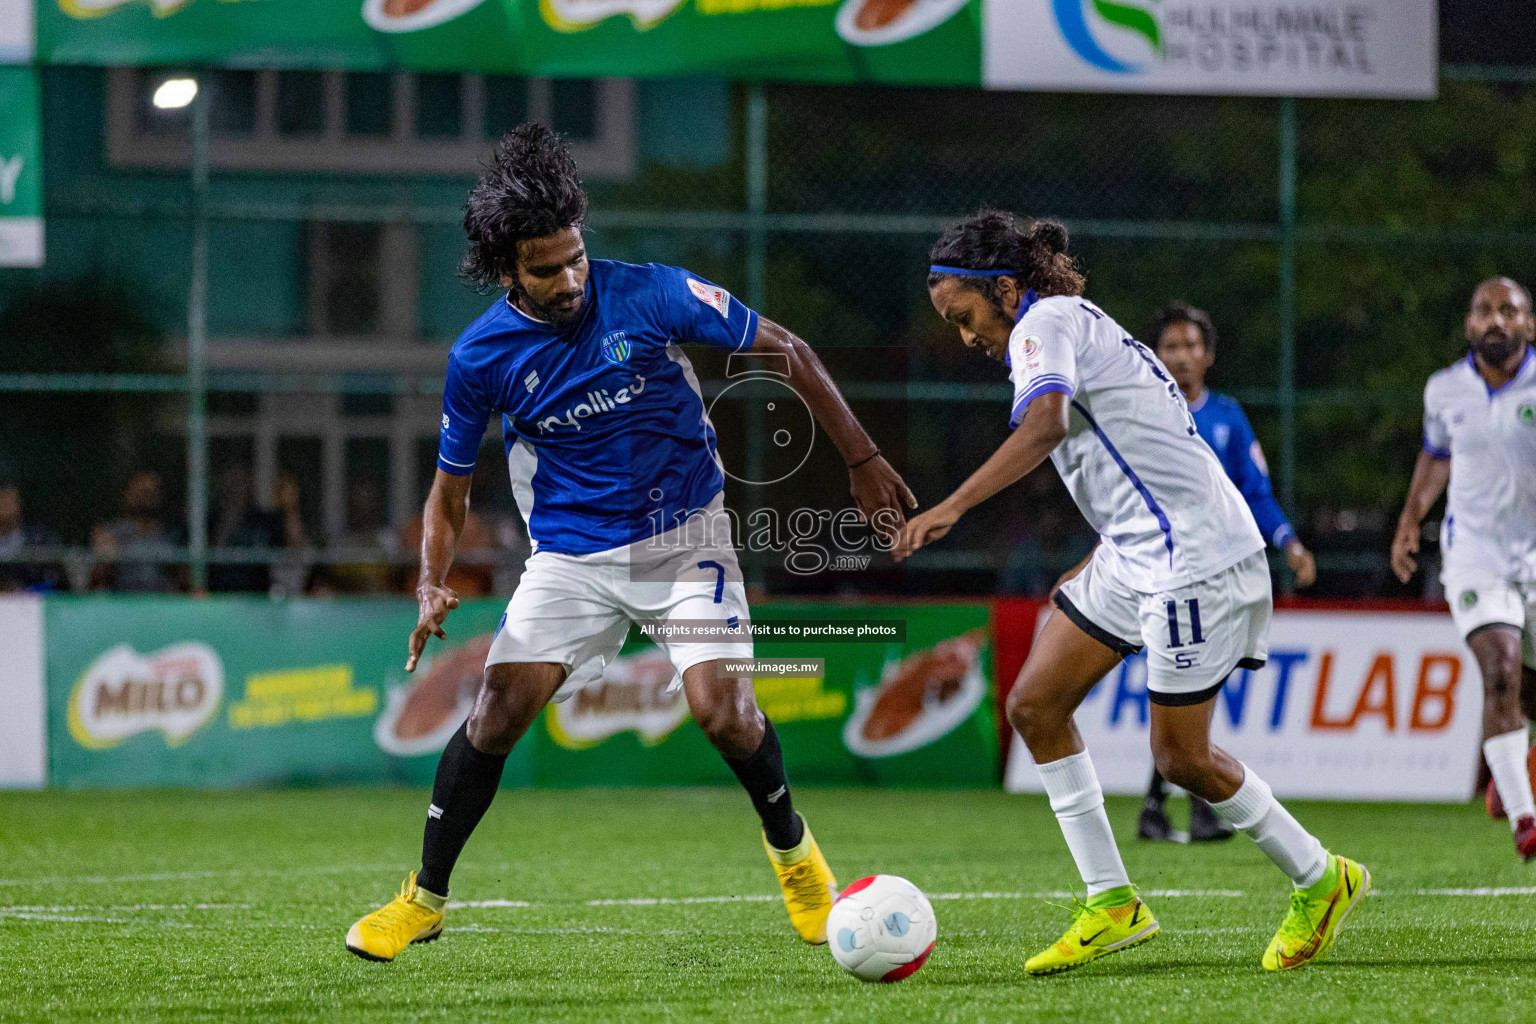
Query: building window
x: 300, y: 102
x: 361, y: 279
x: 506, y: 104
x: 370, y: 104
x: 369, y: 123
x: 574, y: 108
x: 232, y: 95
x: 439, y: 106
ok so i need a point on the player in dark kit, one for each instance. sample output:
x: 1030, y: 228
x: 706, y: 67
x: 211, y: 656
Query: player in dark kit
x: 613, y: 465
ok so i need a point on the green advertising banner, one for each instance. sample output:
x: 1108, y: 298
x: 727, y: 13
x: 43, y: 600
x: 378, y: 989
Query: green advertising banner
x: 930, y: 41
x: 21, y: 170
x: 231, y: 691
x: 1322, y: 48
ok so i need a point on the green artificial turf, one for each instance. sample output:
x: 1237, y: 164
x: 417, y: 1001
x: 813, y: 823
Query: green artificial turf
x: 151, y: 906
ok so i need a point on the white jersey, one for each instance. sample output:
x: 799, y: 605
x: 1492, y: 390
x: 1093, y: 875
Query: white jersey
x: 1131, y: 459
x: 1490, y: 438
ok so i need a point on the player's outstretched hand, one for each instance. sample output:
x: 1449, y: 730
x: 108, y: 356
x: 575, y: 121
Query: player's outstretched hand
x: 1404, y: 546
x: 924, y: 529
x: 1303, y: 565
x: 875, y: 486
x: 435, y: 603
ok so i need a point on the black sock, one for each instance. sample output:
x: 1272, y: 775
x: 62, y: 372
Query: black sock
x: 1157, y: 790
x: 466, y: 784
x: 762, y: 775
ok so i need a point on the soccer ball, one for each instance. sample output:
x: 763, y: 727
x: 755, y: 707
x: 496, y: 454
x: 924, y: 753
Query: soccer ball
x: 881, y: 929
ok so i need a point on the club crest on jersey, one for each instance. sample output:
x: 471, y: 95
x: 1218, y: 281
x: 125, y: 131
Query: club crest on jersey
x: 717, y: 298
x: 1468, y: 598
x: 1034, y: 348
x: 1527, y: 413
x: 616, y: 347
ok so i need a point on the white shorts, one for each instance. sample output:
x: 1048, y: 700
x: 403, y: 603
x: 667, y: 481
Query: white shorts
x: 575, y: 610
x: 1479, y: 601
x: 1195, y: 635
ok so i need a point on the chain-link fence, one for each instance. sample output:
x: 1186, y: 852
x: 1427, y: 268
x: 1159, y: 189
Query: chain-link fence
x: 1335, y: 243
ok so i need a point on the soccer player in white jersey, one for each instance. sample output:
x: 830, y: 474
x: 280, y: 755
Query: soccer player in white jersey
x: 1480, y: 438
x: 612, y: 458
x: 1179, y: 569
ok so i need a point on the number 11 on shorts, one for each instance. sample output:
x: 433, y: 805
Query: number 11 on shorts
x: 1195, y: 636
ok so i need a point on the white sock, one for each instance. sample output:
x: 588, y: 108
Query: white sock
x: 1073, y: 787
x: 1254, y: 811
x: 1506, y: 756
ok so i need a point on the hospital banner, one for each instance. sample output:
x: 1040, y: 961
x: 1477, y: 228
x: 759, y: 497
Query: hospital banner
x: 228, y: 691
x: 16, y: 18
x: 1352, y: 705
x: 1324, y: 48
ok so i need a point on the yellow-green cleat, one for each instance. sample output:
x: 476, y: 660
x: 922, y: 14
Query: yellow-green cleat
x: 1095, y: 932
x: 1316, y: 915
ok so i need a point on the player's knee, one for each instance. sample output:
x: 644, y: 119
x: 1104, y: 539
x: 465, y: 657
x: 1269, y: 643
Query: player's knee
x: 501, y: 714
x: 731, y: 723
x: 1182, y: 762
x: 1501, y: 680
x: 1032, y: 713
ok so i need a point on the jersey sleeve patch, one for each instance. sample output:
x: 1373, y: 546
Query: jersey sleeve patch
x: 1041, y: 359
x: 714, y: 297
x: 1256, y: 453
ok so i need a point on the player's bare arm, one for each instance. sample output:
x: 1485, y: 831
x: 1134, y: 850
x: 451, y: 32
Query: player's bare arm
x: 1043, y: 427
x: 442, y: 522
x: 875, y: 485
x: 1430, y: 475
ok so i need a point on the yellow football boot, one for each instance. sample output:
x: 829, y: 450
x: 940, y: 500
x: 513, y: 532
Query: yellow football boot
x: 413, y: 916
x: 1095, y: 932
x: 1313, y: 921
x: 808, y: 885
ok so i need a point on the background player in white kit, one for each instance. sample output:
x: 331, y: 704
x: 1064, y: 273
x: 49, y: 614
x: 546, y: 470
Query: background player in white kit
x: 1180, y: 569
x: 1480, y: 438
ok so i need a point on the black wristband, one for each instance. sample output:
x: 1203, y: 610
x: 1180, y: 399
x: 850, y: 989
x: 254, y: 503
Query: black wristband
x: 868, y: 458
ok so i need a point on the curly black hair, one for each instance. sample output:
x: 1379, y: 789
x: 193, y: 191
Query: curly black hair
x: 530, y: 189
x: 995, y: 240
x: 1183, y: 313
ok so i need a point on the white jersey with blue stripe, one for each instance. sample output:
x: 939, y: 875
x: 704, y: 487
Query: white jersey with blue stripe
x: 607, y: 438
x: 1132, y: 458
x: 1490, y: 437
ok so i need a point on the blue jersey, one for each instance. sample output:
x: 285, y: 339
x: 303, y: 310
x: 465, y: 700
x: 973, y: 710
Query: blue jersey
x: 1221, y: 423
x: 607, y: 439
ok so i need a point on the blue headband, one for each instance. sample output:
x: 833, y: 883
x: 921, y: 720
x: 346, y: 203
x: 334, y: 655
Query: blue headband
x: 963, y: 272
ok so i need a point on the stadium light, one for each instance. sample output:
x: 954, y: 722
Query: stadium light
x: 175, y: 93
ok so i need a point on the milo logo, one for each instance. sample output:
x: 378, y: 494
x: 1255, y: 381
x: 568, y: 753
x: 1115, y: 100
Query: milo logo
x: 634, y: 694
x: 574, y: 15
x: 175, y: 690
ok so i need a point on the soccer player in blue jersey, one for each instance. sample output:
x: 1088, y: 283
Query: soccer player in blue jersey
x: 613, y: 465
x: 1185, y: 340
